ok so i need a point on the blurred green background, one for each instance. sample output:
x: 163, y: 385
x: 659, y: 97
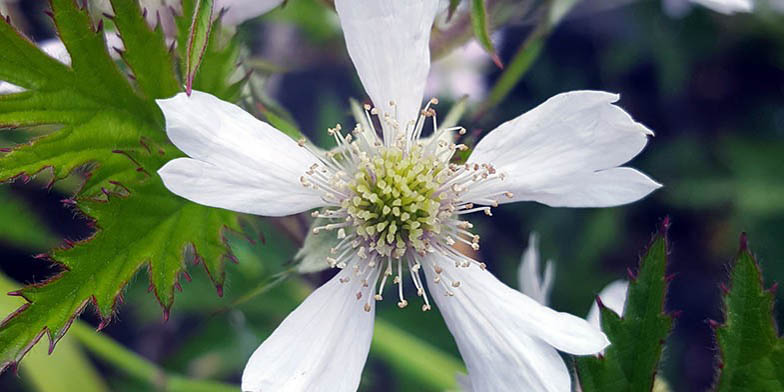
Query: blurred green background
x: 710, y: 86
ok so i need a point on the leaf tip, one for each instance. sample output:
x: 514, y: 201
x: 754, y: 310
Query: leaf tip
x: 665, y: 225
x: 743, y: 242
x: 103, y: 324
x: 219, y: 288
x: 599, y: 302
x: 497, y: 60
x: 630, y: 274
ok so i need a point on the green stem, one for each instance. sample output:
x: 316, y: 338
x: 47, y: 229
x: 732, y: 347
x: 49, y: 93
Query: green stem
x: 528, y: 52
x: 409, y: 354
x: 137, y: 367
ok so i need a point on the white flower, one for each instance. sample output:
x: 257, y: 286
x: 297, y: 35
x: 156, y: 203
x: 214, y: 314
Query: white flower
x: 395, y: 203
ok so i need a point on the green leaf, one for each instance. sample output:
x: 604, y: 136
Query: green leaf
x: 110, y: 126
x: 218, y: 71
x: 151, y: 62
x: 630, y: 362
x: 68, y: 369
x: 752, y: 353
x: 479, y: 22
x: 198, y: 38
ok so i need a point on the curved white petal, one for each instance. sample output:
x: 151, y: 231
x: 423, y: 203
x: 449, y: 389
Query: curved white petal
x: 531, y: 282
x: 321, y: 346
x: 239, y: 163
x: 613, y: 296
x: 565, y: 153
x: 238, y: 11
x: 727, y: 6
x: 506, y: 339
x: 388, y: 43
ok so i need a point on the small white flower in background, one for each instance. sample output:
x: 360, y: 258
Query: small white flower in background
x: 613, y: 296
x: 236, y: 11
x: 538, y: 286
x: 532, y: 282
x: 460, y: 73
x: 395, y: 202
x: 677, y: 8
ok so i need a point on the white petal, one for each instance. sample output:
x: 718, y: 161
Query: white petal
x: 613, y: 296
x: 239, y: 163
x: 727, y: 6
x: 388, y: 41
x: 464, y: 383
x: 531, y: 282
x: 565, y: 153
x: 506, y: 339
x: 321, y: 346
x: 238, y: 11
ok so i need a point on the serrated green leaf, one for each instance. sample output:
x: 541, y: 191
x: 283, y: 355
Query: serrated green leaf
x: 752, y: 353
x: 68, y: 369
x: 630, y: 362
x: 198, y: 38
x: 111, y: 126
x: 145, y: 51
x: 480, y: 24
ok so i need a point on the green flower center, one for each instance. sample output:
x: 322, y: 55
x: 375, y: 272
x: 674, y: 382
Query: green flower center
x: 397, y: 200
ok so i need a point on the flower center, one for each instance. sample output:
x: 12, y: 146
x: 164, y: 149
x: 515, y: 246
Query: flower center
x: 396, y: 202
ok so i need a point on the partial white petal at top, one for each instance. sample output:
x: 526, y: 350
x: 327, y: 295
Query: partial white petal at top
x: 613, y: 296
x: 507, y: 340
x: 321, y: 346
x: 258, y: 166
x: 238, y: 11
x: 566, y: 153
x: 531, y: 282
x: 388, y: 41
x: 727, y: 6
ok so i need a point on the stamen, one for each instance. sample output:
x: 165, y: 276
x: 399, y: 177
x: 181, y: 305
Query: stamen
x: 397, y: 199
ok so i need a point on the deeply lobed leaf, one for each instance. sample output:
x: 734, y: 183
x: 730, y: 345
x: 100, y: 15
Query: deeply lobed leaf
x: 109, y: 124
